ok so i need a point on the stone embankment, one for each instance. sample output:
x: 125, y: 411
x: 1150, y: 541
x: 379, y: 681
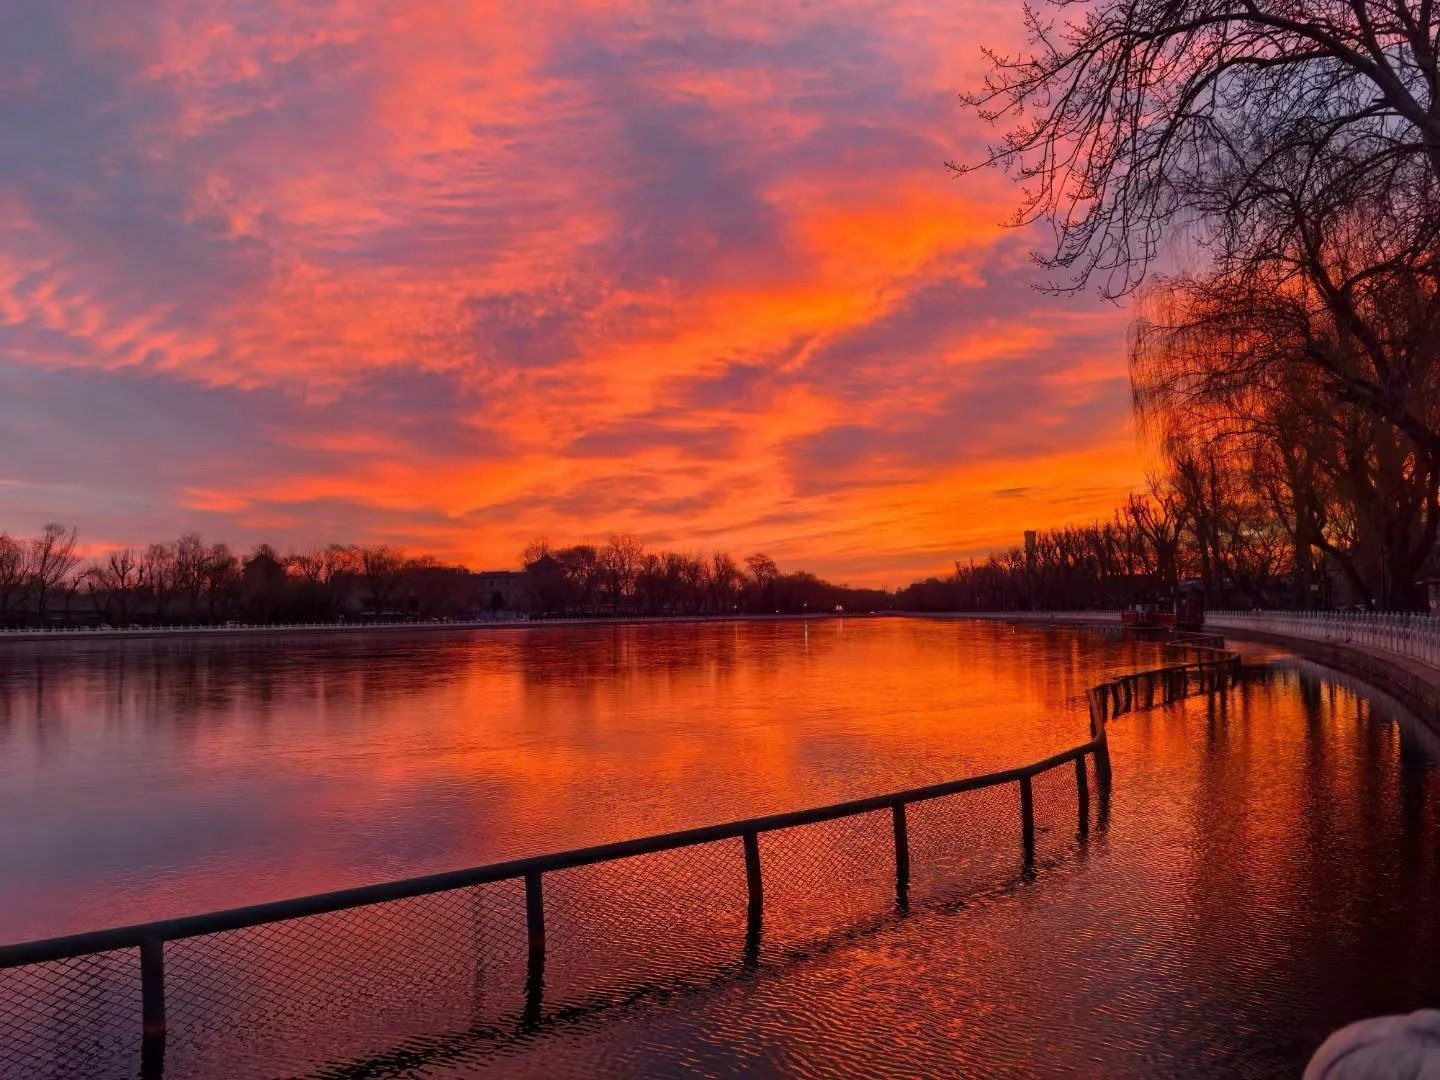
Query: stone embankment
x: 1414, y: 683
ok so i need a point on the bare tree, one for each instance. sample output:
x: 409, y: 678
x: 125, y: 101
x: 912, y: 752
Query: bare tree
x: 1160, y: 518
x: 583, y: 574
x: 52, y: 560
x: 14, y: 575
x: 114, y: 584
x: 189, y: 569
x: 620, y: 560
x: 220, y: 576
x: 324, y: 573
x: 1141, y: 114
x: 535, y: 550
x: 764, y: 573
x: 762, y: 569
x: 159, y: 575
x: 725, y: 580
x: 312, y: 566
x: 382, y: 566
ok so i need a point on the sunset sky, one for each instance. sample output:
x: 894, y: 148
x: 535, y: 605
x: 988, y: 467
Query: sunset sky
x: 454, y: 275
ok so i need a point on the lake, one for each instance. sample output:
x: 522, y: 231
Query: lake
x: 1264, y: 870
x: 144, y: 779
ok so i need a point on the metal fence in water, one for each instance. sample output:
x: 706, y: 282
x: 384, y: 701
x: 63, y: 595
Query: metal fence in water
x: 354, y: 974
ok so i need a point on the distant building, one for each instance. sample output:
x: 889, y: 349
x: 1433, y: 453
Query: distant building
x: 503, y: 590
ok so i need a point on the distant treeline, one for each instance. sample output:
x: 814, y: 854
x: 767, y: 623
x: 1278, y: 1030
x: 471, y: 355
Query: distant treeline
x: 44, y: 580
x: 1235, y: 514
x: 621, y: 576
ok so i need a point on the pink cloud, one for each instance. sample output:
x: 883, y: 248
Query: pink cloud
x: 456, y: 275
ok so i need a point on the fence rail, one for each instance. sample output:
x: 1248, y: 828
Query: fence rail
x: 1213, y: 669
x: 510, y: 903
x: 217, y: 629
x: 1399, y: 633
x: 501, y: 621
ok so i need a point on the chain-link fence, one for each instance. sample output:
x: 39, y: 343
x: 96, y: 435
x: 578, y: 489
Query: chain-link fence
x: 1208, y: 668
x: 274, y: 991
x: 76, y: 1016
x: 284, y: 988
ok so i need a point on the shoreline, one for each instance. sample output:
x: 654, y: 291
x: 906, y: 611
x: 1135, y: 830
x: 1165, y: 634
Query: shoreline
x: 1414, y: 685
x: 109, y: 633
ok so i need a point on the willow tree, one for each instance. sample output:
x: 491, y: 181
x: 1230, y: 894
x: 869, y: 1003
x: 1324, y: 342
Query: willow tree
x: 1289, y: 150
x: 1223, y: 374
x: 1144, y: 113
x: 1256, y: 131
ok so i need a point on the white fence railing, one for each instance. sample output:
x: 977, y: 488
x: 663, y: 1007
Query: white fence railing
x: 502, y: 620
x: 239, y: 627
x: 1412, y: 635
x: 1403, y: 634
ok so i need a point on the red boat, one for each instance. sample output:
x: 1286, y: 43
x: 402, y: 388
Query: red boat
x: 1185, y: 612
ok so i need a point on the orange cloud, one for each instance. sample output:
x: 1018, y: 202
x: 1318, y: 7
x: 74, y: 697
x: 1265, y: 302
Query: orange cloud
x: 457, y: 275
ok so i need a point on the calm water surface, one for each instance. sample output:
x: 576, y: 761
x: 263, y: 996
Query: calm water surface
x: 1265, y: 870
x: 145, y: 779
x: 1268, y: 872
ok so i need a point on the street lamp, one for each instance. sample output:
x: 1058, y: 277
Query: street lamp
x: 1384, y: 577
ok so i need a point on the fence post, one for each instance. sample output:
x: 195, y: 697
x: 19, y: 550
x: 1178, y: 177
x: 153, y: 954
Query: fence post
x: 535, y: 935
x: 754, y: 886
x: 152, y: 988
x: 1027, y: 820
x: 1102, y: 761
x: 1082, y: 795
x: 902, y: 856
x: 1098, y: 710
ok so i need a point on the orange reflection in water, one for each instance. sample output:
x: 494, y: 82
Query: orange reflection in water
x: 1263, y: 872
x: 149, y: 779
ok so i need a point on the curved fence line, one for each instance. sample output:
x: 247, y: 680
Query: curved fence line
x: 1401, y: 633
x: 225, y: 975
x: 1213, y: 668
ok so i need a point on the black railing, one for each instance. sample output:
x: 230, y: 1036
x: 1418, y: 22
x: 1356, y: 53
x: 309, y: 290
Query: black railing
x: 1213, y: 668
x: 501, y: 911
